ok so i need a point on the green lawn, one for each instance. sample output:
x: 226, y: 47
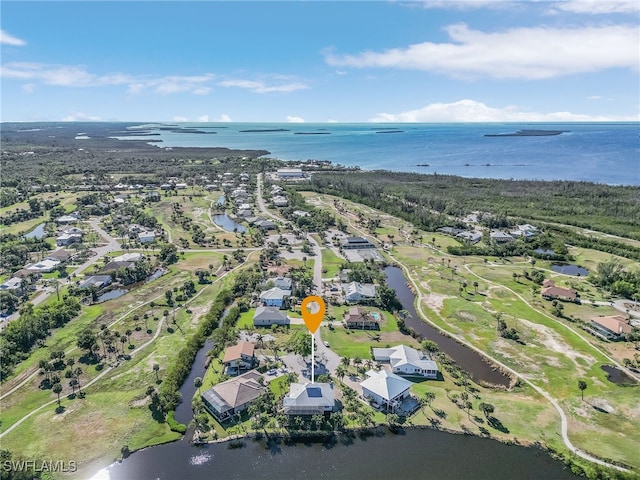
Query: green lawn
x: 331, y: 262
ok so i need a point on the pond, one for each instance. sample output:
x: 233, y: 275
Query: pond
x: 111, y: 294
x: 467, y: 359
x: 568, y: 269
x: 411, y: 454
x: 38, y: 232
x: 223, y: 220
x: 221, y: 201
x: 617, y: 376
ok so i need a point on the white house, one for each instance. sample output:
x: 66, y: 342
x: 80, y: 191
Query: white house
x: 356, y: 291
x: 407, y: 361
x: 385, y: 389
x: 309, y: 399
x: 274, y: 297
x: 287, y: 173
x: 280, y: 201
x: 45, y: 266
x: 267, y: 316
x: 146, y: 237
x: 68, y: 238
x: 128, y: 257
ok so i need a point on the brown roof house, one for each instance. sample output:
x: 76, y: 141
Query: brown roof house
x: 552, y: 292
x: 611, y: 328
x: 233, y: 396
x: 361, y: 318
x: 239, y: 357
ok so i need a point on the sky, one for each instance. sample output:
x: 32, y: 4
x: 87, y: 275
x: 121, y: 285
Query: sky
x: 320, y: 61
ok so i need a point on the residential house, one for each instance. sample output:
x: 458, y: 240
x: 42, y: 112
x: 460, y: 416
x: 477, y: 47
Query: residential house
x: 233, y: 396
x: 244, y: 213
x: 524, y: 231
x: 289, y: 173
x: 353, y: 243
x: 239, y: 357
x: 356, y: 291
x: 274, y: 297
x: 66, y: 219
x: 450, y: 231
x: 146, y: 237
x: 266, y: 225
x: 59, y: 255
x: 45, y: 266
x: 267, y: 316
x: 280, y: 201
x: 96, y: 281
x: 13, y: 285
x: 471, y: 237
x: 612, y: 328
x: 385, y: 389
x: 361, y: 318
x: 129, y: 257
x: 116, y: 265
x: 68, y: 238
x: 281, y: 282
x: 309, y: 399
x: 181, y: 186
x: 301, y: 213
x: 499, y: 236
x: 407, y: 361
x: 553, y: 292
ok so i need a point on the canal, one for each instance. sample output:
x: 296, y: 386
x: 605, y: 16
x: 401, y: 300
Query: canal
x: 467, y: 359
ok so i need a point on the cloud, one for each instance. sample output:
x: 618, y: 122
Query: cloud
x: 530, y: 53
x: 28, y: 88
x: 7, y: 39
x: 473, y: 111
x: 292, y: 119
x: 80, y: 117
x: 596, y: 7
x: 180, y: 119
x: 463, y: 4
x: 331, y: 120
x: 79, y: 76
x: 261, y: 87
x: 223, y: 118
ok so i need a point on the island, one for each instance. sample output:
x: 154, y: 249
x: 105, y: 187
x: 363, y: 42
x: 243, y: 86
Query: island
x: 528, y: 133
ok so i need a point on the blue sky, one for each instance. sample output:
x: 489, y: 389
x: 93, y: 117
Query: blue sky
x: 414, y: 61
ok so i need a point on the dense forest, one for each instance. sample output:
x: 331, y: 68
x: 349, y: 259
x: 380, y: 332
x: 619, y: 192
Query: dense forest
x: 432, y: 200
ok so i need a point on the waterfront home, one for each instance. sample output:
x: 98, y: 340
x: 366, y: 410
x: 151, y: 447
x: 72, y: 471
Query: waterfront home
x: 356, y: 291
x: 244, y: 213
x: 309, y: 399
x: 407, y: 361
x: 233, y: 396
x: 267, y: 316
x: 352, y: 243
x: 239, y: 357
x: 553, y: 292
x: 612, y: 328
x: 96, y: 281
x: 361, y: 318
x: 66, y: 219
x: 116, y: 265
x: 274, y: 297
x: 385, y: 389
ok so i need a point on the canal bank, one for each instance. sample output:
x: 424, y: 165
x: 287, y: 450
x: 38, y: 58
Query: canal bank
x: 410, y: 454
x: 478, y: 367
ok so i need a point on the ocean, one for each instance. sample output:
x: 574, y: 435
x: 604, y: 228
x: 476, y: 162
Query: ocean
x: 595, y: 152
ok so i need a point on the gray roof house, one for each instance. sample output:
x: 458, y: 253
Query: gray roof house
x: 267, y: 316
x: 233, y: 396
x: 282, y: 282
x: 97, y: 281
x: 309, y: 399
x: 356, y: 291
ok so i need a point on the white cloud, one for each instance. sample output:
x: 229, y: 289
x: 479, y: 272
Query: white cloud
x: 473, y: 111
x: 463, y: 4
x: 80, y: 117
x: 203, y: 118
x: 180, y: 119
x: 596, y: 7
x: 223, y: 118
x: 331, y: 120
x: 531, y: 53
x: 7, y: 39
x: 262, y: 87
x: 79, y: 76
x: 28, y: 88
x: 293, y: 119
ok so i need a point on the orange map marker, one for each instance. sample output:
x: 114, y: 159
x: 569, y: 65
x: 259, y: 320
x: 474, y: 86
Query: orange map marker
x: 313, y: 319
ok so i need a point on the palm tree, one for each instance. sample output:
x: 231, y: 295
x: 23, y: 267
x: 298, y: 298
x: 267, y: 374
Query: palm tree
x: 156, y: 367
x: 475, y: 287
x: 345, y: 361
x: 486, y: 408
x: 128, y: 334
x: 582, y: 385
x: 341, y: 371
x: 57, y: 388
